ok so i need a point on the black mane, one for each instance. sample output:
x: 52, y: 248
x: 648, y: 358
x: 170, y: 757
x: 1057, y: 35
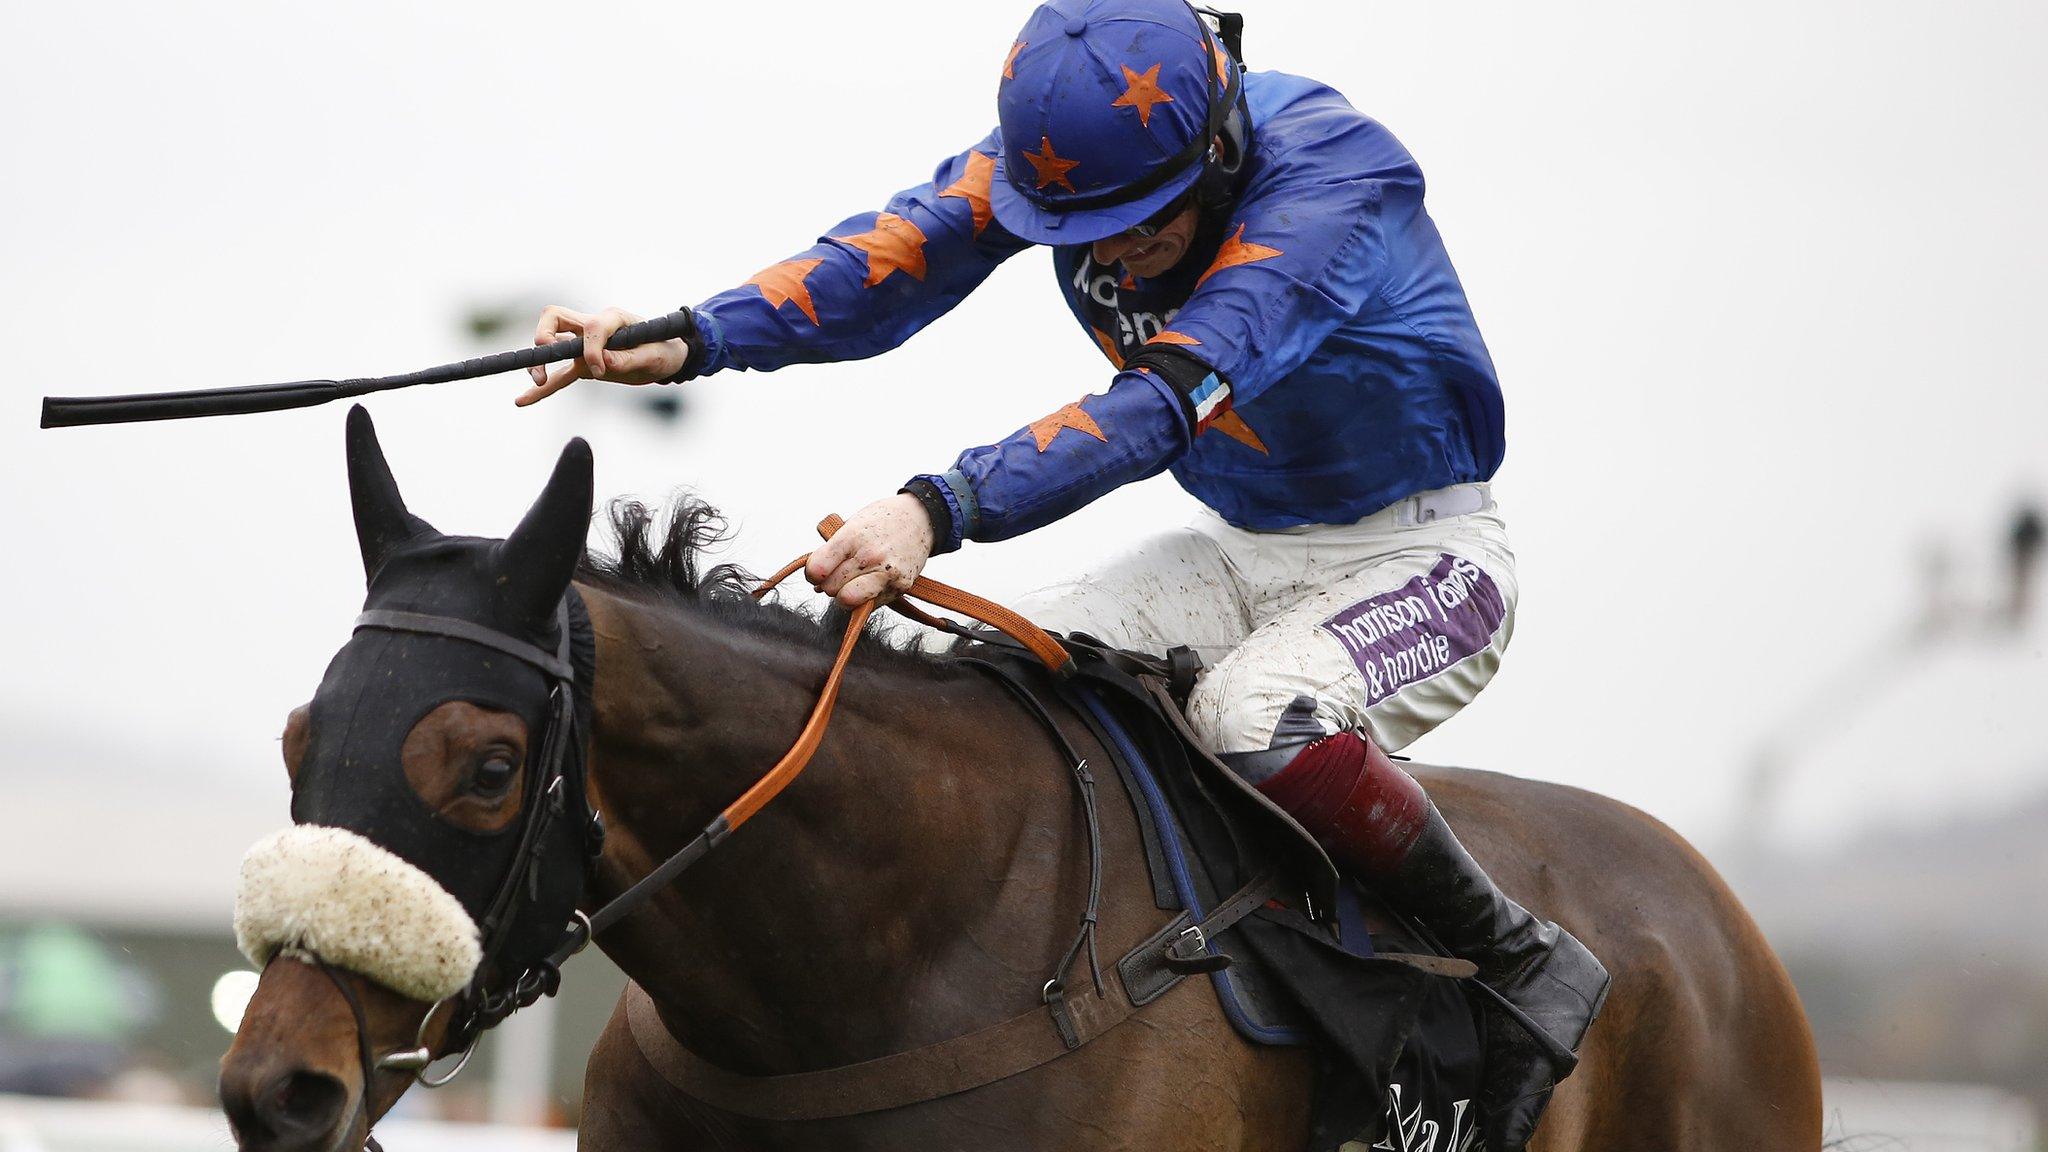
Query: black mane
x: 667, y: 560
x: 673, y: 563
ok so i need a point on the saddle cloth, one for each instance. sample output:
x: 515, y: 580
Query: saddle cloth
x: 1398, y: 1048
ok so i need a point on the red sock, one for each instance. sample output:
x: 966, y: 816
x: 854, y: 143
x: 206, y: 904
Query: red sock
x: 1353, y: 799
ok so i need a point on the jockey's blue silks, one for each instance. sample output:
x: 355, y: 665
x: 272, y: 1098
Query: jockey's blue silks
x: 1349, y: 371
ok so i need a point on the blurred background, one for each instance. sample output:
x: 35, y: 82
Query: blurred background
x: 1760, y: 279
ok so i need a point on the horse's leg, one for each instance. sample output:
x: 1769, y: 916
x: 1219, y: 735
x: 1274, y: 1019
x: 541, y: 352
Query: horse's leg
x: 628, y: 1107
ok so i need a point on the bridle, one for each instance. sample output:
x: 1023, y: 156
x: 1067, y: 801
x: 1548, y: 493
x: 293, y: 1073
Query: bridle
x: 557, y: 784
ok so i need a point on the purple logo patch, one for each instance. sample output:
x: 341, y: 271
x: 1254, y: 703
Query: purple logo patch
x: 1421, y: 628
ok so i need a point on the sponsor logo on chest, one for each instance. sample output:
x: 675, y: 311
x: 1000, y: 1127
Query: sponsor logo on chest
x: 1102, y: 295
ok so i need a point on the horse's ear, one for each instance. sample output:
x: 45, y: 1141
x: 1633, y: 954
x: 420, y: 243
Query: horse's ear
x: 382, y: 523
x: 539, y: 557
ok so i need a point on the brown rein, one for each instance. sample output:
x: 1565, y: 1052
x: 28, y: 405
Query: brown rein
x: 931, y: 592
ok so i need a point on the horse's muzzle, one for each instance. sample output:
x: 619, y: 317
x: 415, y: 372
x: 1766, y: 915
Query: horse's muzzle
x: 292, y: 1080
x: 280, y: 1109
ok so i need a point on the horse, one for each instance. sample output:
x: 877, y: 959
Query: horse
x: 919, y: 880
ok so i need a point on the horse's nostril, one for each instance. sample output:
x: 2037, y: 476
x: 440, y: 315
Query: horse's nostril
x: 289, y: 1112
x: 306, y: 1100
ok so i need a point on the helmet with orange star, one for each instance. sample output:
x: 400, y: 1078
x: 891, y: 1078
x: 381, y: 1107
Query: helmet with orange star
x: 1109, y: 112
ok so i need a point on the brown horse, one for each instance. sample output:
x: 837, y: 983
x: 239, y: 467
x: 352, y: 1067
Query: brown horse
x: 923, y: 876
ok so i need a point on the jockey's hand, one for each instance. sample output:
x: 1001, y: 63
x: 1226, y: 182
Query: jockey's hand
x: 876, y: 555
x: 643, y: 365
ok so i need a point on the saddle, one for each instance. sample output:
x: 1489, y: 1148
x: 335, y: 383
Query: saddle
x: 1321, y: 963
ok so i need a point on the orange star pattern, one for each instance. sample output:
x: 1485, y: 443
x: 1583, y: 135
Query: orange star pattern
x: 785, y: 282
x: 1010, y: 61
x: 1143, y: 93
x: 1129, y: 283
x: 1222, y: 63
x: 1233, y: 426
x: 1236, y: 251
x: 1169, y: 336
x: 1108, y: 346
x: 1072, y: 416
x: 893, y: 245
x: 1049, y: 166
x: 972, y: 186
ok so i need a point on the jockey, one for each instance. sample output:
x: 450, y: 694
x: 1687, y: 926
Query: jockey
x: 1290, y: 340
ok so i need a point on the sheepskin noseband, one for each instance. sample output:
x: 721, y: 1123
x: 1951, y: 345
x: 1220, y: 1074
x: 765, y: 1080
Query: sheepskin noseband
x: 358, y: 906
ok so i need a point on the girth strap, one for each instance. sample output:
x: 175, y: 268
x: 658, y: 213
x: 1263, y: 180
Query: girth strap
x: 998, y: 1052
x: 1181, y: 948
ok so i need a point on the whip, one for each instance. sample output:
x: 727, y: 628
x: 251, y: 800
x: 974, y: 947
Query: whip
x: 73, y: 411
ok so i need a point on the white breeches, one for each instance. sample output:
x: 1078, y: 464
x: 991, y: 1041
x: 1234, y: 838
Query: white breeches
x: 1389, y: 625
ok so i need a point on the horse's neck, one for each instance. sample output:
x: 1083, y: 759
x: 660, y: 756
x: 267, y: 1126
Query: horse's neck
x: 870, y: 907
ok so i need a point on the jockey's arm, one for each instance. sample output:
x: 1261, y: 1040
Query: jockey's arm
x: 1302, y: 257
x: 1030, y: 478
x: 866, y: 286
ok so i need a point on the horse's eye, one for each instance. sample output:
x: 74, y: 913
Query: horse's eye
x: 494, y: 776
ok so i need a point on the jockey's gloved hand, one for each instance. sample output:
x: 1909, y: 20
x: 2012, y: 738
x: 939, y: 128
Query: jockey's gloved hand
x: 876, y: 555
x: 647, y: 364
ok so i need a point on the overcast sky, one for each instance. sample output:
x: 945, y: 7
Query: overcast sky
x: 1761, y: 280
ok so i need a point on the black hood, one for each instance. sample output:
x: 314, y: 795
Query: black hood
x: 498, y: 597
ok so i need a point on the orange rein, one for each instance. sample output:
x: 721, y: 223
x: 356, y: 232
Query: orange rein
x: 931, y: 592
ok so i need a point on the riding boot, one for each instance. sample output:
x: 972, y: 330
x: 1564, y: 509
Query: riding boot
x: 1374, y: 818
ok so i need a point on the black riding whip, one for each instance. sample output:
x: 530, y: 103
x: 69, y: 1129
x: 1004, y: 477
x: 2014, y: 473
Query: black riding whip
x: 71, y: 411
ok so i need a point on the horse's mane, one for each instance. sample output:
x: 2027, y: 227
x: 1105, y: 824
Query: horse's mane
x: 671, y: 564
x: 666, y: 560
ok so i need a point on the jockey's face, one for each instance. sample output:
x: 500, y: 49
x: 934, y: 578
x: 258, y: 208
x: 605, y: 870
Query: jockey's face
x: 1151, y: 255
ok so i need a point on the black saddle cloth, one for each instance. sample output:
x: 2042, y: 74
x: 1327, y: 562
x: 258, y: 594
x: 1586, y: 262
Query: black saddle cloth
x: 1398, y: 1048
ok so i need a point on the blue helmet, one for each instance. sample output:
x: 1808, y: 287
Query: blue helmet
x: 1108, y: 109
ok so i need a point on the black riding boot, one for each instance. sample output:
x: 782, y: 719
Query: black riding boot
x: 1376, y: 820
x: 1554, y: 983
